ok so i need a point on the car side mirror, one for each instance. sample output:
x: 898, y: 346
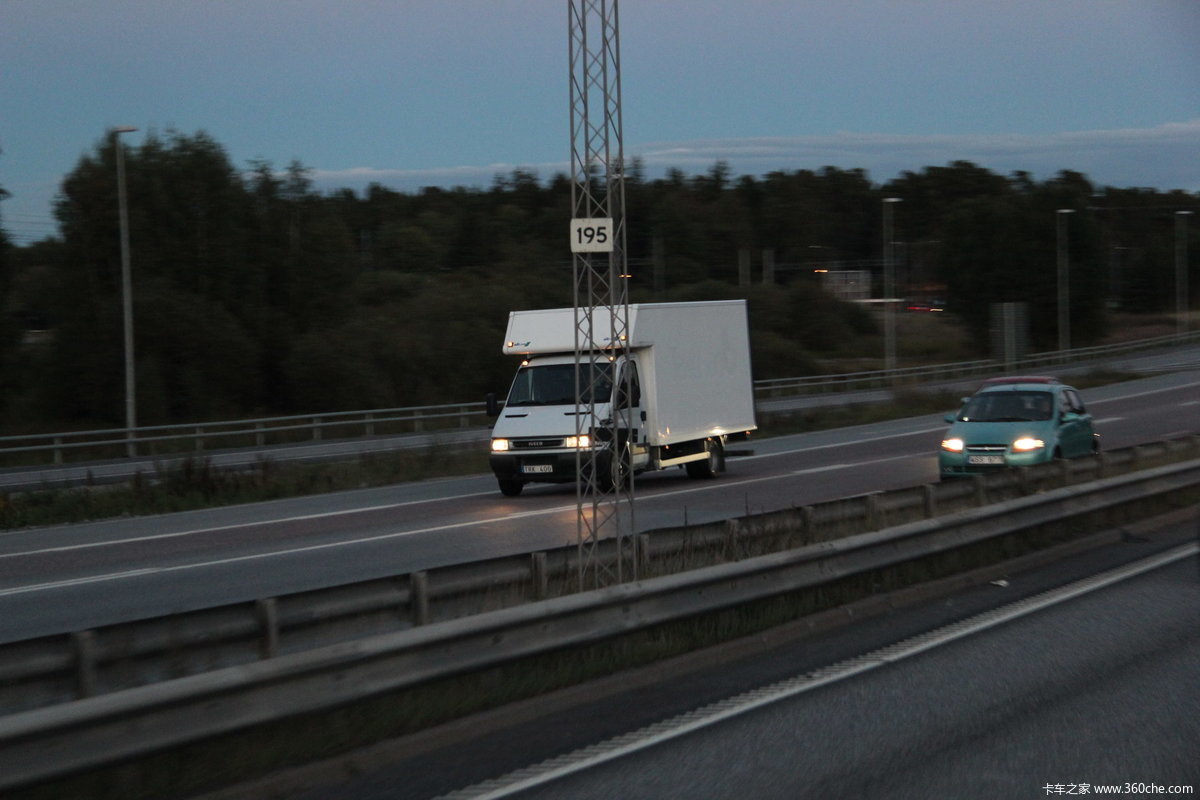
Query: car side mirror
x: 950, y: 418
x: 493, y: 406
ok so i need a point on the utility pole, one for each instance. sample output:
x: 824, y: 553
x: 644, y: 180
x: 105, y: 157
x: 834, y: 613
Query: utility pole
x: 126, y: 293
x: 889, y: 285
x: 604, y: 488
x: 1064, y: 281
x: 1182, y: 306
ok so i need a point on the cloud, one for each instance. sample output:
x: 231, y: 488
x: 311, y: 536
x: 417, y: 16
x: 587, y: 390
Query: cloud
x: 1164, y: 157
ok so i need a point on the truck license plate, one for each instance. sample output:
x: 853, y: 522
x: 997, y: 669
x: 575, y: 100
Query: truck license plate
x: 985, y: 459
x: 536, y: 468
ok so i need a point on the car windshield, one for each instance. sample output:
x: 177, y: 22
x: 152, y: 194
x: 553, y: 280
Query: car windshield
x: 554, y: 385
x: 1008, y: 407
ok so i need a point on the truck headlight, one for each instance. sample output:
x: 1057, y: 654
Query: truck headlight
x: 582, y: 441
x: 499, y: 445
x: 1027, y: 443
x: 952, y: 445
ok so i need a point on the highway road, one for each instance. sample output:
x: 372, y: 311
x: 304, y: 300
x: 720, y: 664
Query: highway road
x: 58, y: 579
x: 979, y: 695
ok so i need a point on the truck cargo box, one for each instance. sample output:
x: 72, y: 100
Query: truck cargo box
x: 693, y: 361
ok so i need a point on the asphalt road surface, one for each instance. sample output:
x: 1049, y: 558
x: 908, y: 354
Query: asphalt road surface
x: 1048, y: 678
x: 58, y: 579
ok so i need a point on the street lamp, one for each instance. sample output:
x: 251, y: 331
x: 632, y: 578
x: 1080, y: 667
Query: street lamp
x: 1064, y: 291
x: 889, y: 312
x: 126, y: 291
x: 1181, y: 277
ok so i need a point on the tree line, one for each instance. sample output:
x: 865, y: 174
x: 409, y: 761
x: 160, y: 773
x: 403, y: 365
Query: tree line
x: 254, y: 293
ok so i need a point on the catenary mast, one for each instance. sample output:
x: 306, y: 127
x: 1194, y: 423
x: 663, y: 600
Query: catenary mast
x: 604, y: 490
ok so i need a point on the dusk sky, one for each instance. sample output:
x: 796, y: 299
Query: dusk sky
x: 409, y: 93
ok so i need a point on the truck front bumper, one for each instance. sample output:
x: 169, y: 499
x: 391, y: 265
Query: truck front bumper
x: 554, y: 467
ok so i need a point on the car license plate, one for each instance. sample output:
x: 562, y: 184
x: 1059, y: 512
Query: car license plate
x: 536, y: 468
x: 985, y: 460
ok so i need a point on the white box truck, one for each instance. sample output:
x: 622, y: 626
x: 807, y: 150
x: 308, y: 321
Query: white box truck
x: 690, y: 391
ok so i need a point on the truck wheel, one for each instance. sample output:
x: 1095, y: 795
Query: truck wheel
x: 510, y: 487
x: 710, y: 466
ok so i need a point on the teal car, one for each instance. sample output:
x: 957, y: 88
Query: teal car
x: 1016, y: 422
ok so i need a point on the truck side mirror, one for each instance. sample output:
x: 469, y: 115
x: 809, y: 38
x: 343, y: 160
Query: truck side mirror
x: 493, y: 407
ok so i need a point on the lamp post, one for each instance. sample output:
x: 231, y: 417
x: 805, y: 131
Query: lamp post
x: 1181, y: 276
x: 1064, y: 291
x: 889, y: 289
x: 126, y: 291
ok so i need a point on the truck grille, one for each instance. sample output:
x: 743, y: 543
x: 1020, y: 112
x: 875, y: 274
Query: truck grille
x: 536, y: 444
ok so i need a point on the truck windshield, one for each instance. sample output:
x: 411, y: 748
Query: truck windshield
x: 554, y: 385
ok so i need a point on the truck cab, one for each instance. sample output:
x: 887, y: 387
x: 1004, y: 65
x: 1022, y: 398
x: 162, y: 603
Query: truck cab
x: 540, y: 435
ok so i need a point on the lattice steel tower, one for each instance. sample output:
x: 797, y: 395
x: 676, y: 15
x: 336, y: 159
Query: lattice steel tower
x: 605, y: 486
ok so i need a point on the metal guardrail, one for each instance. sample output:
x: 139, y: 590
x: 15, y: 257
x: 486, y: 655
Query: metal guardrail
x: 41, y: 744
x: 263, y: 432
x: 56, y: 669
x: 272, y: 431
x: 852, y: 381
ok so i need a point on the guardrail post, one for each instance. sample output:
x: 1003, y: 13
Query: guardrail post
x: 418, y: 421
x: 267, y: 611
x: 418, y: 598
x: 84, y: 645
x: 58, y: 456
x: 370, y: 424
x: 929, y: 499
x: 980, y: 490
x: 1022, y: 474
x: 316, y: 429
x: 537, y: 575
x: 807, y: 523
x: 199, y: 439
x: 464, y: 419
x: 871, y: 512
x: 260, y: 439
x: 642, y: 543
x: 731, y: 540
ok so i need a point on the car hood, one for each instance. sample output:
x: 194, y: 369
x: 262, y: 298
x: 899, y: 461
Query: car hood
x: 973, y: 433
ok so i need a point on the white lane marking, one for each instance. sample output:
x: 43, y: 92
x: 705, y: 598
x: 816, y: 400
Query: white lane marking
x: 1190, y: 403
x: 1106, y: 420
x: 113, y: 576
x: 813, y: 448
x: 77, y: 581
x: 231, y: 527
x: 391, y: 506
x: 1143, y: 394
x: 384, y: 536
x: 651, y: 735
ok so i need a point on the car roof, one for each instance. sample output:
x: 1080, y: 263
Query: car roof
x: 1019, y: 379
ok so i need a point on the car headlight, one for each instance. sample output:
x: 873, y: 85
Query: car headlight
x: 582, y: 442
x: 1027, y: 443
x: 952, y: 445
x: 499, y: 445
